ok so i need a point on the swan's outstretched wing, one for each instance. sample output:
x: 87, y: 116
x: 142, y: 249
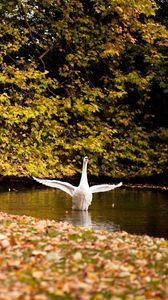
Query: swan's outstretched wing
x: 104, y: 187
x: 64, y: 186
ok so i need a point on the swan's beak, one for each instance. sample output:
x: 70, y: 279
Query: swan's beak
x: 85, y: 158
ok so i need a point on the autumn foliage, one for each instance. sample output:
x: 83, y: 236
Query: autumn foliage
x: 43, y: 260
x: 82, y: 77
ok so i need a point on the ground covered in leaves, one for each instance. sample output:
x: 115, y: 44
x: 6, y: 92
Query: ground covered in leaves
x: 43, y: 260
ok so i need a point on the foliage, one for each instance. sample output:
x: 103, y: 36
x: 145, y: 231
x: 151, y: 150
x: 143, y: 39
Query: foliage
x: 82, y: 77
x: 107, y: 265
x: 162, y: 12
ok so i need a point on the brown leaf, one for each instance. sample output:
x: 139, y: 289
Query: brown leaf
x: 12, y: 240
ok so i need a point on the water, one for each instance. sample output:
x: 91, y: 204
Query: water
x: 135, y: 211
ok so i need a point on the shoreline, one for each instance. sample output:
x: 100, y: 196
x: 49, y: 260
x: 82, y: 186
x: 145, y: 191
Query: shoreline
x: 24, y: 182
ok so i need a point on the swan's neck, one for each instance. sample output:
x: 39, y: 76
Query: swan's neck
x: 84, y: 179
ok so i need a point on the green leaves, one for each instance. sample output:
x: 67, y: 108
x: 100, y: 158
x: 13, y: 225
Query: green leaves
x: 80, y: 79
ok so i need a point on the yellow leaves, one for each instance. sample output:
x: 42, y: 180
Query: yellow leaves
x: 67, y: 103
x: 68, y: 170
x: 125, y: 121
x: 132, y: 8
x: 135, y: 77
x: 92, y: 143
x: 151, y: 33
x: 119, y: 9
x: 97, y: 60
x: 111, y: 50
x: 15, y: 40
x: 117, y: 94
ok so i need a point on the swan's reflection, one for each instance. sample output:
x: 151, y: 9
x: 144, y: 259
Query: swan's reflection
x: 83, y: 218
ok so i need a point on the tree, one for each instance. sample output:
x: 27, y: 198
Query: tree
x: 162, y: 12
x: 84, y: 78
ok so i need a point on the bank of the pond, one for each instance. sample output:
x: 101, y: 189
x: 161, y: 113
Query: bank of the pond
x: 9, y: 183
x: 42, y: 259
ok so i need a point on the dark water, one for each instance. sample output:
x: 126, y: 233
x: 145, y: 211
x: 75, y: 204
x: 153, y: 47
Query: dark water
x: 135, y: 211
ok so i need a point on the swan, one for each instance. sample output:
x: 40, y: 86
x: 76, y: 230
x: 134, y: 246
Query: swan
x: 81, y: 194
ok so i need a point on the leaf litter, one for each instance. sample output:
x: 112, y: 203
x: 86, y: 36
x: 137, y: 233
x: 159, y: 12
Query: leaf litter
x: 43, y: 259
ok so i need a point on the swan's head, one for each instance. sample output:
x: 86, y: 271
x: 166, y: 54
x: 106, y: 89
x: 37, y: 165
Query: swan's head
x: 85, y: 159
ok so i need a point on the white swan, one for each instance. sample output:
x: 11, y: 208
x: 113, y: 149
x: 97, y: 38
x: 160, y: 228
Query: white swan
x: 81, y: 195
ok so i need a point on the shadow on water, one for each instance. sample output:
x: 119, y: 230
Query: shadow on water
x: 135, y: 211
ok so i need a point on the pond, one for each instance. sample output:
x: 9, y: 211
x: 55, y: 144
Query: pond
x: 132, y: 210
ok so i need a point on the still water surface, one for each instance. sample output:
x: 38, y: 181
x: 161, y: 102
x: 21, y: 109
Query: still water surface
x: 135, y: 211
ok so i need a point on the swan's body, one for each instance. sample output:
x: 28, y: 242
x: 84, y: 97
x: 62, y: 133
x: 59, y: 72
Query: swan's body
x: 81, y: 195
